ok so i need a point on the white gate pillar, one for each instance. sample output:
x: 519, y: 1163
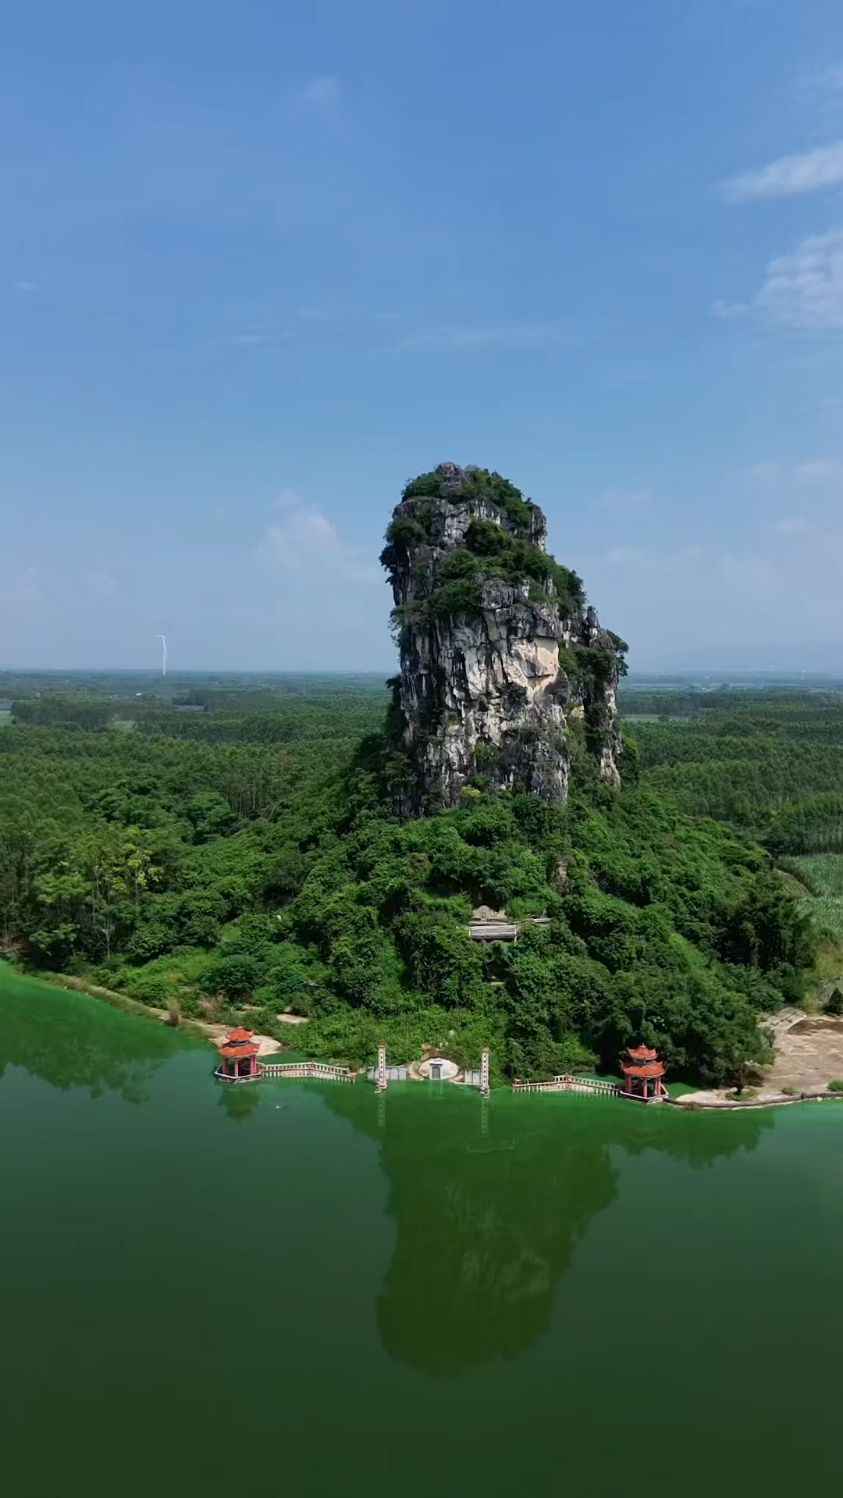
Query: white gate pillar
x: 484, y: 1074
x: 381, y: 1082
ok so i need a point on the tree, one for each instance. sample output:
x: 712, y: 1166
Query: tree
x: 233, y: 977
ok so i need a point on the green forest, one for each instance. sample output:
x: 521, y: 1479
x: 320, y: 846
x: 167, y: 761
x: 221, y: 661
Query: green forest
x: 224, y: 847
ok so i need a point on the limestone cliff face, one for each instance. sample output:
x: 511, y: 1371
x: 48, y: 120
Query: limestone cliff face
x: 505, y: 674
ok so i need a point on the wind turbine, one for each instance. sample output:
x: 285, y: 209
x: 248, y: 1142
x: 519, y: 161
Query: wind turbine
x: 163, y: 639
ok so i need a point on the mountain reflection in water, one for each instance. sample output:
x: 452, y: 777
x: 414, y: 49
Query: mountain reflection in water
x: 491, y: 1200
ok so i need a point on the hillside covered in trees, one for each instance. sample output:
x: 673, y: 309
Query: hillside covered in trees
x: 232, y: 846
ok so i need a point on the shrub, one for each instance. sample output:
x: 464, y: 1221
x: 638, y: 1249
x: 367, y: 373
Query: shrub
x: 423, y: 484
x: 234, y: 977
x: 150, y: 987
x: 836, y: 1085
x: 834, y: 1003
x: 405, y: 531
x: 461, y: 596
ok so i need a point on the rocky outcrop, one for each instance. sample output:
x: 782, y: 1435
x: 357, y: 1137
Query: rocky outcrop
x: 505, y: 674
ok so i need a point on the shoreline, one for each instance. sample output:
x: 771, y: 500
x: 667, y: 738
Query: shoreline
x: 196, y: 1029
x: 701, y: 1101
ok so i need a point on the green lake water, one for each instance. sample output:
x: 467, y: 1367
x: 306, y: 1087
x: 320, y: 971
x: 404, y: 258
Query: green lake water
x: 302, y: 1288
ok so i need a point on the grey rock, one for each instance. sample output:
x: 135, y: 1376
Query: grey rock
x: 484, y: 690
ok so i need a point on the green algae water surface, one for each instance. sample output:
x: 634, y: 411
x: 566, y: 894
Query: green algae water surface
x: 306, y: 1289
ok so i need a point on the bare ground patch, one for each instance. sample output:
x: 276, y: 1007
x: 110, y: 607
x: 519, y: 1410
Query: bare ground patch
x: 809, y: 1055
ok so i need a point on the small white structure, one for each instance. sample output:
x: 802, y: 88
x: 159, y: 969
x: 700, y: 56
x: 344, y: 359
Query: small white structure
x: 438, y: 1069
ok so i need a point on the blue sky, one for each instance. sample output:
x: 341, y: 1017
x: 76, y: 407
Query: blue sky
x: 262, y: 262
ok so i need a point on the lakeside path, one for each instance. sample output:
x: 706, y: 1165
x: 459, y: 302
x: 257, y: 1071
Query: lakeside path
x: 267, y: 1044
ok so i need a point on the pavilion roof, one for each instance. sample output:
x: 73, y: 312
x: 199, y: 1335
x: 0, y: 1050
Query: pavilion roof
x: 238, y: 1036
x: 642, y: 1053
x: 645, y: 1069
x: 235, y: 1052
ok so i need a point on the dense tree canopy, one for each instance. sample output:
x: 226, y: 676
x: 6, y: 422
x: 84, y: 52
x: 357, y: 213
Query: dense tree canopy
x: 243, y: 858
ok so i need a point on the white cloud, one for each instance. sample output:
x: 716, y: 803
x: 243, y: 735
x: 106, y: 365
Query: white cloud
x: 810, y: 171
x: 729, y: 310
x: 290, y: 499
x: 802, y: 290
x: 25, y: 286
x: 306, y: 544
x: 322, y: 93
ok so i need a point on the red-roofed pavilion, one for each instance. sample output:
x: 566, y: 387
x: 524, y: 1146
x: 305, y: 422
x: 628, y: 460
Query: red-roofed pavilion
x: 643, y: 1074
x: 238, y: 1057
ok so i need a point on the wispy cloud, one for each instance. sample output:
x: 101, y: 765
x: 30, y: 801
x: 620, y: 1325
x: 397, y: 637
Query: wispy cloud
x: 751, y: 574
x: 466, y: 337
x: 808, y: 171
x: 29, y: 600
x: 806, y: 471
x: 100, y: 584
x: 822, y: 87
x: 323, y: 93
x: 818, y: 471
x: 645, y: 559
x: 802, y: 290
x: 791, y: 525
x: 25, y: 286
x: 247, y: 338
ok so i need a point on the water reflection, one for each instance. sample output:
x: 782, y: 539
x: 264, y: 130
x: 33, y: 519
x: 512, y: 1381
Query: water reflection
x: 239, y: 1102
x: 490, y: 1204
x: 69, y: 1040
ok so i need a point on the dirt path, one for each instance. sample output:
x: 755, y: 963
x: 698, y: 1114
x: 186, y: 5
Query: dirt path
x: 267, y: 1045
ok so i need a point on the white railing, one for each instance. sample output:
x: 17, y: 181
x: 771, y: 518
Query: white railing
x: 318, y: 1069
x: 566, y: 1083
